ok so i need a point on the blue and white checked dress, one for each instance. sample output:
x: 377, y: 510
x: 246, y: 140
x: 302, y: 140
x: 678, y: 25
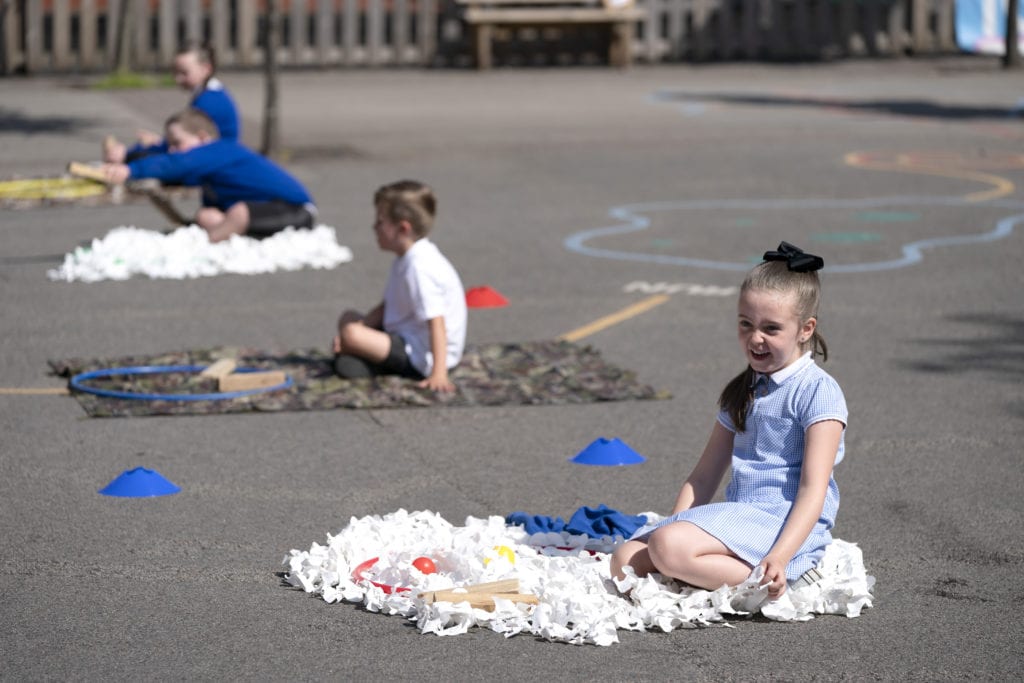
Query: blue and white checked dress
x: 766, y: 462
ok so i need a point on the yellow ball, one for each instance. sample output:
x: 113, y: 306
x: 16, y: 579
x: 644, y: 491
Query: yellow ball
x: 502, y: 551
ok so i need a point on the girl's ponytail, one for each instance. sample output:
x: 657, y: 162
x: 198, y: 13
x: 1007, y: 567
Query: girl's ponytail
x: 736, y: 397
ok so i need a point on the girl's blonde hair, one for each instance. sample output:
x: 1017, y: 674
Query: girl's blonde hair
x: 774, y: 276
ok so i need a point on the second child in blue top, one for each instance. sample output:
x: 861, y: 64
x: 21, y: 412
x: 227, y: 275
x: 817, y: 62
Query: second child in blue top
x: 243, y: 192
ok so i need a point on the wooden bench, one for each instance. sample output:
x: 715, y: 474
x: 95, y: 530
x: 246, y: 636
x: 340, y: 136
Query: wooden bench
x: 484, y: 16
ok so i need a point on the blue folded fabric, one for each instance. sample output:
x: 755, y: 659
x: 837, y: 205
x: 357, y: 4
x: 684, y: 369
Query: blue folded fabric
x: 535, y: 524
x: 587, y: 521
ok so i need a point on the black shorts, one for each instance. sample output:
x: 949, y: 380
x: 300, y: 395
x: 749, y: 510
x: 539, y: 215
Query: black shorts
x: 266, y: 218
x: 397, y: 363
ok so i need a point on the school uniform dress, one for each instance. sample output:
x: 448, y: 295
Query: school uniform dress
x: 423, y: 285
x: 766, y: 465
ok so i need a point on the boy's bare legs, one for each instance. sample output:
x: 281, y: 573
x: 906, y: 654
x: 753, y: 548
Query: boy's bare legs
x: 686, y: 552
x: 356, y: 338
x: 220, y: 225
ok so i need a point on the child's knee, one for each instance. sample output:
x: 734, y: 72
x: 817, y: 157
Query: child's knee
x: 208, y: 217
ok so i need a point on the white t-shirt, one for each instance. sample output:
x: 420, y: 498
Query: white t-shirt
x: 423, y: 285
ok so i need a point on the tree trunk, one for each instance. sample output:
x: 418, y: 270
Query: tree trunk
x: 1011, y: 57
x: 271, y: 38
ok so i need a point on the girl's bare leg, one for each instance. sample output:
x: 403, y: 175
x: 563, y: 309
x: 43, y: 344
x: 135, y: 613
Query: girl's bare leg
x: 633, y: 554
x: 686, y: 552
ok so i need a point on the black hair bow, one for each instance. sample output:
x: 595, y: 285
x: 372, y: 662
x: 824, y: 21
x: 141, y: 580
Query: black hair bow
x: 797, y: 260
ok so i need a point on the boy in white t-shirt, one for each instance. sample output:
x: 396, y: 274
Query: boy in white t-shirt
x: 419, y: 330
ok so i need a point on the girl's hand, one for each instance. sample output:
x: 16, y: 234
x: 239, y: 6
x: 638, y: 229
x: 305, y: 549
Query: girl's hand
x: 774, y: 576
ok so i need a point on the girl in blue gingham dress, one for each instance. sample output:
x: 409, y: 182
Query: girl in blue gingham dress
x: 781, y: 429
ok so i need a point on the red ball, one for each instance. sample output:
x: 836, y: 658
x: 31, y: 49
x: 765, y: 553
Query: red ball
x: 425, y: 565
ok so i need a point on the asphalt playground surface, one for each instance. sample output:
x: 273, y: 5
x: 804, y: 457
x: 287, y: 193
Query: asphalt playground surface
x: 708, y: 167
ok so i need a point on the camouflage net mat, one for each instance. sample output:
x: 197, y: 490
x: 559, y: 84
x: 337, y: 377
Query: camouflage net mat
x: 529, y: 373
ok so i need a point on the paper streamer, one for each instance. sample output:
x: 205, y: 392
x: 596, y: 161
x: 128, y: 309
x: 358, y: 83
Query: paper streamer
x: 185, y: 253
x: 579, y: 601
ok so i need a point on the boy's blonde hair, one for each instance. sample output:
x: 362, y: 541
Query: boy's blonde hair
x: 408, y: 200
x: 195, y: 122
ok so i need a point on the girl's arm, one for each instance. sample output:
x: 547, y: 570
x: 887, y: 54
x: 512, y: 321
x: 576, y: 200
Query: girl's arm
x: 820, y: 448
x: 706, y: 476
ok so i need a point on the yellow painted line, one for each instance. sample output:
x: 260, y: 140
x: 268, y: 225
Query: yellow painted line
x: 626, y: 313
x: 1002, y: 187
x: 34, y: 391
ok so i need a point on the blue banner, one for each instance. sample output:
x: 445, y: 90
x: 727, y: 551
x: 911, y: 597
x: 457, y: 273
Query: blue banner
x: 981, y: 26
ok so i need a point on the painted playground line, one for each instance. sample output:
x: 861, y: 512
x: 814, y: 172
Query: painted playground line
x: 636, y: 218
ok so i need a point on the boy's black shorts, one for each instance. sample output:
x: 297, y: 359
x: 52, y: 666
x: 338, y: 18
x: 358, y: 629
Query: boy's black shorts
x: 266, y: 218
x: 397, y: 363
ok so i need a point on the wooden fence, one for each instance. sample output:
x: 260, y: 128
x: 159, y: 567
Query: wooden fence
x: 67, y: 36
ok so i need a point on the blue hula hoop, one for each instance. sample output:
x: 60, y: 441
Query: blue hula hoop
x: 76, y: 383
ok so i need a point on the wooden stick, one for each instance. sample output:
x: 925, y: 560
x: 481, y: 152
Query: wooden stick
x: 222, y: 368
x: 80, y: 170
x: 506, y: 586
x: 479, y: 600
x: 251, y: 380
x: 503, y: 586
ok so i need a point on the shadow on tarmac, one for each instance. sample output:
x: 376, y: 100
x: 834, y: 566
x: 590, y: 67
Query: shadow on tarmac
x: 13, y: 121
x: 998, y: 350
x: 912, y: 108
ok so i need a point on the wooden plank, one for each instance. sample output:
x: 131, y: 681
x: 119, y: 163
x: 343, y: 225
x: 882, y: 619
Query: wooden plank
x: 350, y: 33
x: 222, y: 368
x: 87, y: 34
x: 896, y: 27
x: 324, y: 31
x: 298, y: 37
x: 726, y: 27
x: 375, y: 33
x: 245, y: 47
x: 554, y: 15
x: 945, y: 33
x: 847, y: 26
x: 676, y: 26
x: 251, y: 380
x: 803, y: 38
x: 113, y: 26
x: 143, y: 56
x: 426, y: 28
x: 10, y: 23
x: 35, y: 60
x: 920, y: 35
x: 701, y: 15
x: 60, y: 26
x: 748, y: 28
x: 192, y: 13
x: 399, y: 31
x: 220, y: 36
x: 167, y: 36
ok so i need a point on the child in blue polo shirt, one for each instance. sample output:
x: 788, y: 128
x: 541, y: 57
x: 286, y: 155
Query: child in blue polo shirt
x: 244, y: 193
x: 194, y: 68
x: 781, y: 428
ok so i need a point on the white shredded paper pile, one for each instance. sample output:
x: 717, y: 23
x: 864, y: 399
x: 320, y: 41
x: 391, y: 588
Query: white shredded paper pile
x: 579, y: 601
x: 126, y: 252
